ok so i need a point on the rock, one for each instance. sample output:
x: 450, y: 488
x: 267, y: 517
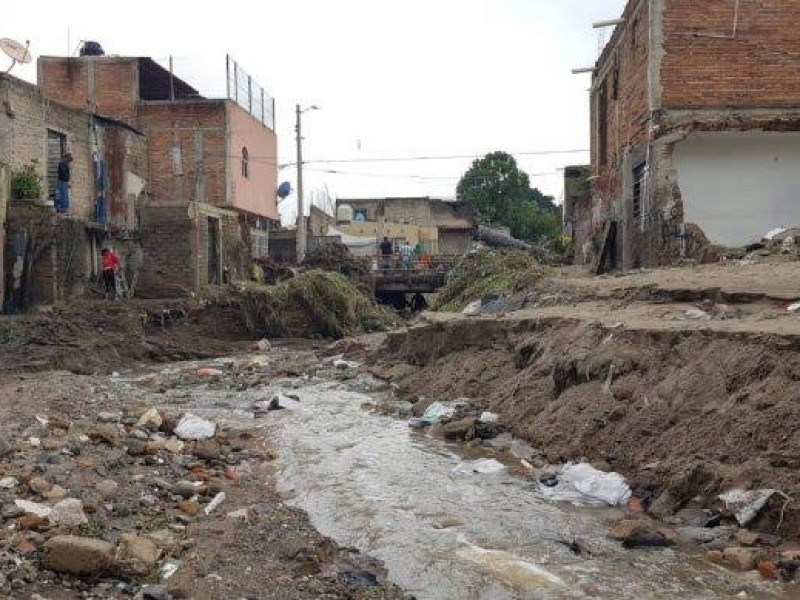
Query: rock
x: 207, y: 450
x: 11, y: 511
x: 705, y: 535
x: 39, y: 485
x: 106, y: 434
x: 8, y: 483
x: 69, y: 513
x: 192, y: 427
x: 155, y: 592
x: 77, y: 555
x: 641, y: 533
x: 186, y: 489
x: 33, y: 508
x: 174, y: 445
x: 139, y: 434
x: 189, y: 507
x: 5, y: 448
x: 417, y: 423
x: 136, y: 555
x: 752, y: 538
x: 109, y: 417
x: 151, y: 420
x: 215, y: 502
x: 107, y: 488
x: 743, y: 559
x: 460, y: 430
x: 209, y: 373
x: 164, y: 539
x: 56, y: 493
x: 715, y: 556
x: 790, y: 555
x: 136, y: 447
x: 31, y: 522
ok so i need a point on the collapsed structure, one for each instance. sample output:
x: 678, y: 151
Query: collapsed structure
x: 695, y: 132
x: 183, y: 185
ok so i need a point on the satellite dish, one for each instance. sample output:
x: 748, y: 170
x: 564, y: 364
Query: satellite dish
x: 284, y: 190
x: 16, y: 51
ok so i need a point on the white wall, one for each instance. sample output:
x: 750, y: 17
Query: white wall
x: 738, y: 185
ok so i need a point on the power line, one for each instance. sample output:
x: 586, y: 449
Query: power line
x: 441, y: 157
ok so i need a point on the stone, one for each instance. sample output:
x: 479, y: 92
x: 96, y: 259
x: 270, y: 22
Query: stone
x: 189, y: 507
x: 715, y: 556
x: 8, y: 483
x: 11, y: 511
x: 77, y: 555
x: 33, y: 508
x: 136, y: 555
x: 39, y: 485
x: 107, y: 488
x: 31, y: 522
x: 136, y: 447
x: 106, y: 434
x: 186, y: 489
x: 139, y: 434
x: 56, y: 493
x: 69, y: 513
x: 210, y: 373
x: 207, y: 450
x: 790, y: 555
x: 151, y: 420
x: 753, y: 538
x: 192, y: 427
x: 109, y: 417
x: 174, y: 445
x: 5, y: 448
x: 155, y: 592
x: 460, y: 430
x: 743, y: 559
x: 166, y: 541
x: 641, y: 533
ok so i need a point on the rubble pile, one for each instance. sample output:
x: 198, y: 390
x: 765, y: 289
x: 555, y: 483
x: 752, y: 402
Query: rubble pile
x: 490, y: 273
x: 338, y: 259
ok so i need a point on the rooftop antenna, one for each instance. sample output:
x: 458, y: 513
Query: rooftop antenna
x: 16, y: 51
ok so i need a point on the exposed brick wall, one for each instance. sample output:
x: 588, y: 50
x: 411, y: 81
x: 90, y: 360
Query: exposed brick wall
x: 24, y: 120
x: 106, y: 85
x: 758, y: 68
x: 167, y: 236
x: 179, y: 124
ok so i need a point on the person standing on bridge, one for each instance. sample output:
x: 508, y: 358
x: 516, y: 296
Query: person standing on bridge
x: 406, y: 254
x: 386, y: 252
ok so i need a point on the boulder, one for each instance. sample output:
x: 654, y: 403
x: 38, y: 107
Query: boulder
x: 207, y: 450
x: 69, y: 513
x: 77, y: 555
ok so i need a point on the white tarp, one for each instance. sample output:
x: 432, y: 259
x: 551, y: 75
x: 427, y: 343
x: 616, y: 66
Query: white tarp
x: 583, y: 484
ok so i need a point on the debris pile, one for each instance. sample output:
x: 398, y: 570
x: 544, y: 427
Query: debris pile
x: 489, y: 274
x: 338, y: 259
x: 315, y: 303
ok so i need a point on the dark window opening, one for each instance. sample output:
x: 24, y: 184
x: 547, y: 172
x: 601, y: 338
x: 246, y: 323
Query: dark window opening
x: 56, y: 148
x: 615, y: 82
x: 639, y: 182
x: 245, y: 163
x: 602, y: 124
x: 633, y: 32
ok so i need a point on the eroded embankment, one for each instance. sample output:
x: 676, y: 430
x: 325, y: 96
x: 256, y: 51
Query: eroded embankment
x: 683, y: 414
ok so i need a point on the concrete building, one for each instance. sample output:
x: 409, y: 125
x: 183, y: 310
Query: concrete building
x: 441, y: 226
x: 695, y: 130
x: 212, y: 162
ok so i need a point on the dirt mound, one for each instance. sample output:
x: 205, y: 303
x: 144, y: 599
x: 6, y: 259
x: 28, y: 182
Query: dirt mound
x: 489, y: 272
x: 683, y: 414
x: 315, y: 303
x: 99, y: 337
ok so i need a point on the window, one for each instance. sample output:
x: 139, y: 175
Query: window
x: 56, y: 147
x: 245, y: 163
x: 360, y: 215
x: 639, y: 183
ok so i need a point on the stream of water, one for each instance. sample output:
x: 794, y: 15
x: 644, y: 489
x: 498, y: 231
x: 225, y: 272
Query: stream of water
x: 370, y: 482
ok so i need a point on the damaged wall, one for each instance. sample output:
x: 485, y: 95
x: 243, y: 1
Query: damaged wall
x: 736, y: 186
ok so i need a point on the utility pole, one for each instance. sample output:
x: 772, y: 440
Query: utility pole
x: 301, y: 220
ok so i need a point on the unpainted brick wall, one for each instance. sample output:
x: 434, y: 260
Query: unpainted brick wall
x: 24, y: 120
x: 706, y: 67
x: 167, y: 235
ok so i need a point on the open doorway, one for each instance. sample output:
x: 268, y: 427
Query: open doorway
x: 56, y: 148
x: 214, y: 258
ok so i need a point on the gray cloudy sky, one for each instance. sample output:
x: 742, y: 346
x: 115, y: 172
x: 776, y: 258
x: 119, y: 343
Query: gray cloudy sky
x: 393, y: 79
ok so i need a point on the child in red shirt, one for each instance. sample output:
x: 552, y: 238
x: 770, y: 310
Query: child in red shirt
x: 109, y: 266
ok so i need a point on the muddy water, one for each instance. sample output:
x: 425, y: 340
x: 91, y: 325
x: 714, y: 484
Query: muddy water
x: 369, y: 482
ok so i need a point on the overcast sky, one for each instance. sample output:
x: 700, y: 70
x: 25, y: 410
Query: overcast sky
x: 392, y: 79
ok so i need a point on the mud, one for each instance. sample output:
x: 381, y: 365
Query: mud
x: 684, y: 414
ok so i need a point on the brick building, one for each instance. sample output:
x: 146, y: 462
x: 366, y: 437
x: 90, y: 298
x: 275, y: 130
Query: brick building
x: 212, y: 163
x: 109, y: 169
x: 695, y: 130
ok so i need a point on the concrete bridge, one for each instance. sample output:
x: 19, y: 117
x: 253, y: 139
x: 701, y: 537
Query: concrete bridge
x: 391, y: 278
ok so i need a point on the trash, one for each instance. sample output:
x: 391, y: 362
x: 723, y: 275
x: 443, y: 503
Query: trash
x: 482, y: 466
x: 192, y: 427
x: 34, y: 508
x: 238, y: 514
x: 417, y: 423
x: 697, y: 315
x: 473, y: 309
x: 263, y: 345
x: 345, y: 364
x: 169, y: 567
x: 526, y: 464
x: 489, y: 417
x: 35, y: 442
x: 438, y: 411
x: 215, y: 502
x: 773, y: 233
x: 8, y: 482
x: 746, y: 504
x: 581, y: 483
x: 794, y: 308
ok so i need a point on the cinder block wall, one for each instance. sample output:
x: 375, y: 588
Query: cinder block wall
x: 168, y: 267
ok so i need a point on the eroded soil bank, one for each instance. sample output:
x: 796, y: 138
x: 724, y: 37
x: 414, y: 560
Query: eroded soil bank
x: 684, y: 414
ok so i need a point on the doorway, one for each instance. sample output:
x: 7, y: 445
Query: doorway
x: 214, y: 258
x: 56, y: 148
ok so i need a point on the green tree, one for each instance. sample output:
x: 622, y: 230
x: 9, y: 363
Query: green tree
x: 500, y: 194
